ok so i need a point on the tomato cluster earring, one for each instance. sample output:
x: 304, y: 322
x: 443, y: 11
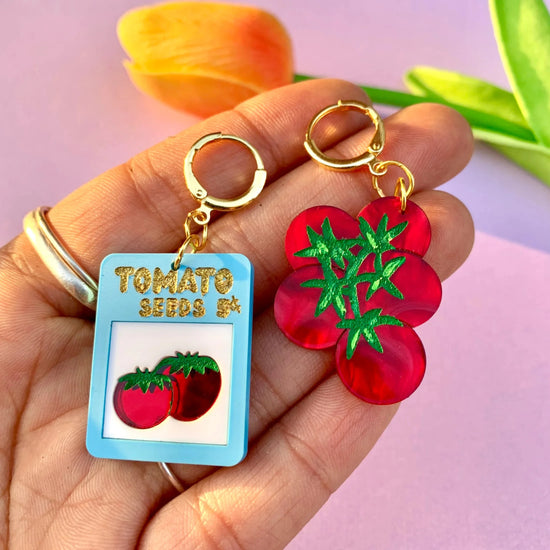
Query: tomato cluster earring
x: 360, y: 284
x: 171, y: 362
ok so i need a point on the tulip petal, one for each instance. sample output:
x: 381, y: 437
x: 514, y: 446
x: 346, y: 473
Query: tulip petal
x: 202, y: 95
x: 205, y: 57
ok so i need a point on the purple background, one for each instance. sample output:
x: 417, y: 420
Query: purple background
x: 465, y: 463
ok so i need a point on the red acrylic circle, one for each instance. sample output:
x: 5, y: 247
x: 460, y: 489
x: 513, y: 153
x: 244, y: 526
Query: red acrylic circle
x: 343, y: 225
x: 415, y: 237
x: 383, y: 378
x: 417, y: 281
x: 140, y: 409
x: 294, y: 309
x: 195, y: 394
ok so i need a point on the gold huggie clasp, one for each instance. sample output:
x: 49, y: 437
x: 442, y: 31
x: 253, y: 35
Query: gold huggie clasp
x: 373, y: 150
x: 201, y: 215
x: 368, y: 158
x: 209, y: 203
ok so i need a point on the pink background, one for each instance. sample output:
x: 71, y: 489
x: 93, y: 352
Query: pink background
x: 465, y: 464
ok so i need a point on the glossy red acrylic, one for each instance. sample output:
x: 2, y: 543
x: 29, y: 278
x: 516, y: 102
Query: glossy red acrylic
x: 361, y: 285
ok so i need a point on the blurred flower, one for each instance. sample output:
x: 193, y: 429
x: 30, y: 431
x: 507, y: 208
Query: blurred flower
x: 205, y: 57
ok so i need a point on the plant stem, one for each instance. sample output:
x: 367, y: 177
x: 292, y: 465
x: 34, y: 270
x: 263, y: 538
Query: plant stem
x: 354, y: 301
x: 476, y: 118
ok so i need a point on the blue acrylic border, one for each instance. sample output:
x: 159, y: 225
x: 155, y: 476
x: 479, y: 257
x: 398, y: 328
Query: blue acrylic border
x: 124, y: 305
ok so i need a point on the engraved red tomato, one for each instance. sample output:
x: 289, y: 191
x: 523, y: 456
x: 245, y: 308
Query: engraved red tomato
x: 312, y: 219
x: 385, y: 377
x: 143, y: 399
x: 417, y: 282
x: 301, y: 325
x: 196, y: 384
x: 415, y: 237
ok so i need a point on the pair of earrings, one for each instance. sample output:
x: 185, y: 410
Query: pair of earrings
x: 171, y: 361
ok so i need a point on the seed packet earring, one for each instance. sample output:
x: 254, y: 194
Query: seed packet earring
x: 171, y: 361
x: 360, y: 284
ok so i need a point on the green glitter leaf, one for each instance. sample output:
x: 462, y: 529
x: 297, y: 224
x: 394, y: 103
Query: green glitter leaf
x: 364, y: 326
x: 326, y: 247
x: 332, y: 294
x: 145, y: 380
x: 380, y: 278
x: 187, y: 363
x: 379, y: 240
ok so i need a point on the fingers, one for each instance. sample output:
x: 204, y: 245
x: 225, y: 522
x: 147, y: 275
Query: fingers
x: 140, y: 206
x: 452, y: 231
x: 283, y: 373
x: 283, y: 482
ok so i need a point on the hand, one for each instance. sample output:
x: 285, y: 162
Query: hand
x: 307, y: 432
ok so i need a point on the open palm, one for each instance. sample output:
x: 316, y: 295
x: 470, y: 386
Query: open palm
x: 307, y: 432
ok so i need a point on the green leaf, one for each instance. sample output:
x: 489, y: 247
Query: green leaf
x: 532, y: 157
x: 380, y: 277
x: 536, y: 163
x: 325, y: 247
x: 378, y: 241
x: 493, y: 115
x: 145, y: 380
x: 166, y: 362
x: 187, y: 363
x: 391, y: 266
x: 364, y: 326
x: 440, y: 85
x: 522, y: 31
x: 396, y: 230
x: 331, y: 295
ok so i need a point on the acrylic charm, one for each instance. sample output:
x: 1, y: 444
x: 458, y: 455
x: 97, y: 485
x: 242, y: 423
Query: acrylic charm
x: 171, y: 361
x: 360, y: 284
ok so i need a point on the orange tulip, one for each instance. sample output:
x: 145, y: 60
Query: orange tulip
x: 204, y: 57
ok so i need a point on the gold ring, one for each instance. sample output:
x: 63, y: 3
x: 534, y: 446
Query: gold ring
x: 381, y: 168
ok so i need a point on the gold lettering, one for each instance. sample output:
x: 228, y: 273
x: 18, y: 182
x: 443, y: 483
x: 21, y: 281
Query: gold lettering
x: 124, y: 273
x: 198, y: 308
x: 171, y: 307
x: 142, y: 280
x: 223, y: 308
x: 223, y: 280
x: 158, y: 307
x: 146, y: 309
x: 226, y: 306
x: 187, y: 281
x: 234, y: 305
x: 185, y: 307
x: 205, y: 273
x: 160, y: 281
